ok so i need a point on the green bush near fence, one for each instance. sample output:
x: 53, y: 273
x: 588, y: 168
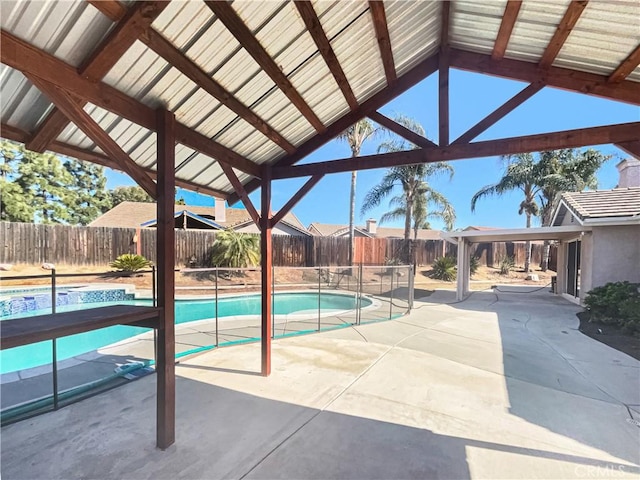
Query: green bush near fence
x: 444, y: 268
x: 616, y: 303
x: 130, y: 263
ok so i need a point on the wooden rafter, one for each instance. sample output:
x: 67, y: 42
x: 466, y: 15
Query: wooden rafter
x: 12, y: 133
x: 75, y: 113
x: 498, y: 113
x: 443, y: 77
x: 228, y: 16
x: 112, y: 9
x: 506, y: 27
x: 631, y: 147
x: 30, y: 60
x: 581, y: 82
x: 178, y: 60
x: 620, y: 133
x: 401, y: 130
x: 312, y: 22
x: 404, y: 83
x: 96, y: 66
x: 569, y: 20
x: 295, y: 199
x: 626, y: 67
x: 241, y: 192
x: 384, y: 40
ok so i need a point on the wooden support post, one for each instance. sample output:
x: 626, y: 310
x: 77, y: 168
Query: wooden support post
x: 266, y: 271
x: 443, y: 78
x: 165, y: 366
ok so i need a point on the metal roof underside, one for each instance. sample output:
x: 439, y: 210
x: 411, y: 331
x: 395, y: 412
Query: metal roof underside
x: 71, y: 30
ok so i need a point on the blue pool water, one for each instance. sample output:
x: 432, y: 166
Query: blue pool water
x: 37, y: 354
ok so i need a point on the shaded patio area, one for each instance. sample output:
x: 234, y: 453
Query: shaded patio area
x: 501, y: 385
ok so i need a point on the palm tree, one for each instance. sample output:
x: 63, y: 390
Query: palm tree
x: 355, y: 136
x: 521, y: 174
x: 236, y: 250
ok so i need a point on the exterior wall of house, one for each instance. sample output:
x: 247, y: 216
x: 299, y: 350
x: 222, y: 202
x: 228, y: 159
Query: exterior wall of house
x: 586, y: 264
x: 279, y: 229
x: 616, y: 255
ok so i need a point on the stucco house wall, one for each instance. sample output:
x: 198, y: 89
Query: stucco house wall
x: 616, y: 254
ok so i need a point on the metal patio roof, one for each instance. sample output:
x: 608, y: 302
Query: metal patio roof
x: 279, y: 106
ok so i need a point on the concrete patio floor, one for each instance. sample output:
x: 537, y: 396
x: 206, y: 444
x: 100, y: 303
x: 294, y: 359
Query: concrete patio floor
x: 502, y: 385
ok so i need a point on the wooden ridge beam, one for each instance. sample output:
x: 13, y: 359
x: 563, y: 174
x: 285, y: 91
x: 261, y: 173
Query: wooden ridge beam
x: 404, y: 83
x: 28, y: 59
x: 228, y: 16
x: 564, y: 78
x: 312, y: 22
x: 384, y: 40
x: 500, y: 112
x: 241, y: 192
x: 620, y: 133
x: 98, y: 64
x: 74, y: 112
x: 506, y: 27
x: 17, y: 135
x: 295, y: 199
x: 569, y: 20
x: 443, y: 77
x: 626, y: 67
x: 112, y: 9
x: 179, y: 60
x: 401, y: 130
x: 632, y: 148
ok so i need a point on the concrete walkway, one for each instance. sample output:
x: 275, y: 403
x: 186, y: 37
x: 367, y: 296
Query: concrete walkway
x: 501, y: 385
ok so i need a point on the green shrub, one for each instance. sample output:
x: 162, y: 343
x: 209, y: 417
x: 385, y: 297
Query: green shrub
x: 235, y: 249
x: 506, y: 264
x: 616, y: 303
x: 444, y: 268
x: 130, y: 262
x: 474, y: 263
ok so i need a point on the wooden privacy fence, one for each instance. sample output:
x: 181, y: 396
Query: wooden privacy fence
x: 36, y: 243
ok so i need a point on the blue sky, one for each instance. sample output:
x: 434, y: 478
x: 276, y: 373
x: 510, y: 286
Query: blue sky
x: 472, y: 97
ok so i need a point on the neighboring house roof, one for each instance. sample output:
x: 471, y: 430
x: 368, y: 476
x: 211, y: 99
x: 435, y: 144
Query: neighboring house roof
x: 205, y: 222
x: 619, y: 204
x: 136, y: 214
x: 479, y: 228
x: 284, y: 221
x: 332, y: 230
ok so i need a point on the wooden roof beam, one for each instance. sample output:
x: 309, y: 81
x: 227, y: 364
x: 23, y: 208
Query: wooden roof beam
x: 620, y: 133
x: 632, y: 148
x: 581, y: 82
x: 28, y: 59
x: 112, y: 9
x: 12, y: 133
x: 70, y: 107
x: 241, y: 192
x: 384, y: 41
x: 228, y: 16
x: 506, y: 27
x: 401, y: 130
x: 626, y: 67
x: 443, y: 77
x: 98, y: 64
x: 569, y: 20
x: 177, y: 59
x: 312, y: 22
x: 306, y: 188
x: 404, y: 83
x: 499, y: 113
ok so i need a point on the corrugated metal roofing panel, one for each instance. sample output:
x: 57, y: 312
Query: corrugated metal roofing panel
x: 74, y: 136
x: 635, y: 75
x: 68, y: 29
x: 180, y: 21
x: 23, y: 106
x: 335, y: 16
x: 255, y: 14
x: 414, y: 31
x: 356, y: 42
x: 591, y: 47
x: 467, y: 33
x: 536, y: 24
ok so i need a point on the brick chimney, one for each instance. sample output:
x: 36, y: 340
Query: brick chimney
x: 371, y: 226
x: 221, y: 210
x: 629, y: 170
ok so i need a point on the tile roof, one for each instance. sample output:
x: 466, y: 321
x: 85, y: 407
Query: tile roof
x: 133, y: 214
x: 619, y: 202
x: 327, y: 230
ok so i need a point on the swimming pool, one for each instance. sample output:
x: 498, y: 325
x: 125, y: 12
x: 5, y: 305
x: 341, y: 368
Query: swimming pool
x: 38, y: 354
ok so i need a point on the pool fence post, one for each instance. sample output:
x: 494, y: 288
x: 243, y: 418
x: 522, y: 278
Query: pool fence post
x: 393, y: 272
x: 319, y: 294
x: 216, y: 275
x: 411, y: 286
x: 359, y: 294
x: 54, y: 347
x: 273, y: 302
x: 153, y: 302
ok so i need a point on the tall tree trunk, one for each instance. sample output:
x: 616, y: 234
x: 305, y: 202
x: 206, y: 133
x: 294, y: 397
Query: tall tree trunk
x: 407, y: 230
x: 527, y: 260
x: 352, y: 210
x: 546, y: 255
